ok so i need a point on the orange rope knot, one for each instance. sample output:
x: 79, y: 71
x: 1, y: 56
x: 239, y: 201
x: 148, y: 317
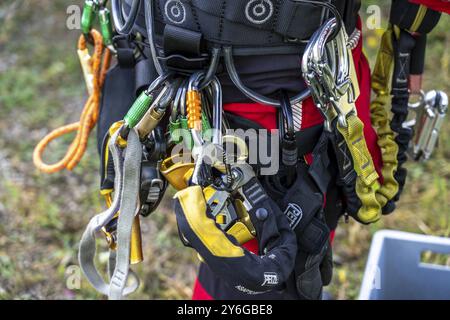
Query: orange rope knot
x: 95, y: 68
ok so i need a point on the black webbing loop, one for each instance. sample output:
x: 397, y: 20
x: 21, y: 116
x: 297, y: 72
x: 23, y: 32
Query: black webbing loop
x: 403, y: 47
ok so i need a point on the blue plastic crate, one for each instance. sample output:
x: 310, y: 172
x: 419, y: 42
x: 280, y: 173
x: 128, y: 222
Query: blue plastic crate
x: 394, y: 269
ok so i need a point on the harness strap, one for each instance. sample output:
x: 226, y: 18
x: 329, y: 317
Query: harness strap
x: 125, y: 172
x: 367, y: 183
x: 129, y: 207
x: 404, y: 43
x: 87, y: 249
x: 125, y: 51
x: 401, y: 54
x: 347, y: 176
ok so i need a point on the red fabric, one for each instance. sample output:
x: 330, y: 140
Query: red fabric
x: 199, y: 292
x: 363, y: 107
x: 438, y: 5
x: 263, y: 115
x: 332, y: 235
x: 266, y: 116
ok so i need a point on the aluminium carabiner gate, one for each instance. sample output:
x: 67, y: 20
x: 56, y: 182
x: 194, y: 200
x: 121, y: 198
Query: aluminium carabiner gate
x: 431, y: 112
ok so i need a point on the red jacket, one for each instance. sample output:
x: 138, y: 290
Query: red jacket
x: 438, y: 5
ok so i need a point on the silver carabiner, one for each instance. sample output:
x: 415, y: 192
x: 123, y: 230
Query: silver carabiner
x: 329, y: 71
x: 213, y: 151
x: 319, y: 68
x: 430, y: 115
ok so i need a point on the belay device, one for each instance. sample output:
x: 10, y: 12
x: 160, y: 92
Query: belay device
x: 175, y: 133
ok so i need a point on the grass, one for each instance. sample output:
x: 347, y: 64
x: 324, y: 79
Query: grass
x: 42, y: 217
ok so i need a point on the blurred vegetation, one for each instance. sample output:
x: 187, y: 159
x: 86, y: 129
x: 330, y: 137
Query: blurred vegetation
x: 42, y: 217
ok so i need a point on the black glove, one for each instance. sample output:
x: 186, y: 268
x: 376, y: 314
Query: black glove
x: 303, y: 205
x: 241, y: 269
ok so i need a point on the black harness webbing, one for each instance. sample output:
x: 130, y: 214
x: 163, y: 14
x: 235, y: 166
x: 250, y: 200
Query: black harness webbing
x: 246, y: 23
x: 411, y: 24
x: 403, y: 47
x: 346, y: 177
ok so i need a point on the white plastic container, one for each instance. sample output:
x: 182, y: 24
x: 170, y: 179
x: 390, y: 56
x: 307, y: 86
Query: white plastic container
x: 394, y: 269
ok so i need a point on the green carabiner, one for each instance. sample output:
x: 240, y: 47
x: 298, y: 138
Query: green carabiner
x: 138, y: 109
x: 175, y: 131
x: 90, y: 8
x: 186, y: 133
x: 106, y: 26
x: 206, y: 128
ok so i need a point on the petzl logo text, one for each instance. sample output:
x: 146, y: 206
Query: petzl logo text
x: 270, y: 279
x: 294, y: 214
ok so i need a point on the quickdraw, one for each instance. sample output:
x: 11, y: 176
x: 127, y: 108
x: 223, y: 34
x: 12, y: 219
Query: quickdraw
x: 329, y: 71
x: 325, y: 68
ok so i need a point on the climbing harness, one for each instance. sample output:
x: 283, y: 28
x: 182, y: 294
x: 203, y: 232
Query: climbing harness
x: 176, y: 133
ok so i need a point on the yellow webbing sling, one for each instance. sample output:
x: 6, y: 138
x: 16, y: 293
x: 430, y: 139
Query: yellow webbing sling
x: 380, y: 105
x: 367, y: 181
x: 381, y: 85
x: 352, y: 130
x: 373, y: 194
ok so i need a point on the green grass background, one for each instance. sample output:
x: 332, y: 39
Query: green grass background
x: 42, y: 217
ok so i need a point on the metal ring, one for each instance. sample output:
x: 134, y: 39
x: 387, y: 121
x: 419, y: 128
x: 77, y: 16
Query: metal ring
x: 231, y: 68
x: 418, y: 104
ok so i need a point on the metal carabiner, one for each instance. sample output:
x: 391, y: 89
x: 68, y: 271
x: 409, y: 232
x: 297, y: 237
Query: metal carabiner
x: 158, y: 109
x: 318, y: 67
x: 90, y: 8
x: 143, y: 102
x: 329, y: 71
x: 214, y: 150
x: 106, y: 28
x: 217, y: 111
x: 430, y: 115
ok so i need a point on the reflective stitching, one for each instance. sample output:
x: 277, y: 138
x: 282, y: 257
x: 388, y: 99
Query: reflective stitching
x: 175, y: 11
x: 259, y: 11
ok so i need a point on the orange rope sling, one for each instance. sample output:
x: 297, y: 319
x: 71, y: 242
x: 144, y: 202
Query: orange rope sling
x: 99, y: 64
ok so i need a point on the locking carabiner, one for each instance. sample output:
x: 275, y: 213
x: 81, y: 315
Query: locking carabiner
x: 329, y: 71
x: 431, y: 111
x: 90, y: 9
x: 143, y: 102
